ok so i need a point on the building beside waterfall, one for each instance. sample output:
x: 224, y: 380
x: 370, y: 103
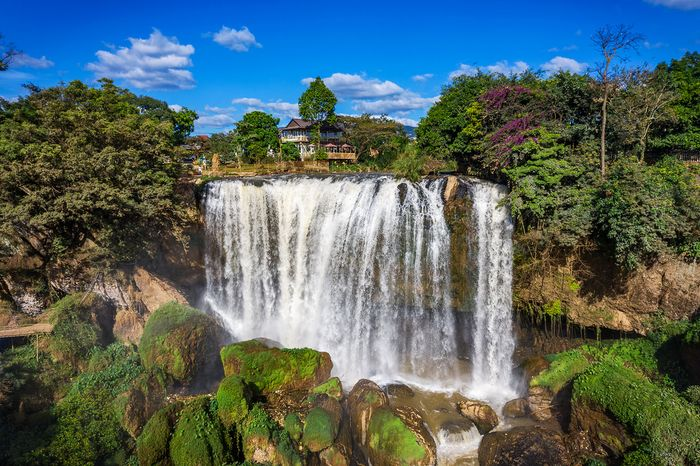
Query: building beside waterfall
x: 299, y: 132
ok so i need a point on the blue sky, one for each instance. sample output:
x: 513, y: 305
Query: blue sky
x: 225, y: 58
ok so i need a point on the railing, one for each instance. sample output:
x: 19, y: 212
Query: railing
x: 270, y: 168
x: 25, y: 330
x: 352, y: 156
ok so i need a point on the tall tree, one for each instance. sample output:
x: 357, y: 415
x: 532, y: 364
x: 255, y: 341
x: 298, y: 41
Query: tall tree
x: 317, y: 104
x: 612, y: 42
x: 257, y: 133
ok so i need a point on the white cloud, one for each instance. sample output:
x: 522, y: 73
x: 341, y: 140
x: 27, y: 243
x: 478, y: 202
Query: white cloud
x: 500, y: 67
x: 215, y: 121
x: 654, y: 45
x: 566, y: 48
x: 405, y: 102
x: 215, y: 109
x: 564, y: 64
x: 277, y: 108
x: 238, y: 40
x: 677, y: 4
x: 405, y: 121
x: 26, y: 61
x: 422, y: 77
x: 354, y: 86
x: 175, y: 107
x: 158, y: 62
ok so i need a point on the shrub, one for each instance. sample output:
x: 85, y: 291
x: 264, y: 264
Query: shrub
x: 409, y: 165
x: 74, y: 333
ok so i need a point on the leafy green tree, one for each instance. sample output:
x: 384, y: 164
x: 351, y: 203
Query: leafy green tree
x: 290, y: 151
x: 224, y: 144
x: 85, y: 169
x: 367, y: 133
x: 182, y: 120
x: 317, y: 104
x: 257, y: 133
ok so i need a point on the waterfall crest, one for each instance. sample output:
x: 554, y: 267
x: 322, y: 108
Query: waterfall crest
x: 358, y: 266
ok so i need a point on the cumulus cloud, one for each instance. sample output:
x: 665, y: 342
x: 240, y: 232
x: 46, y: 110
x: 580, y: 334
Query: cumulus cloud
x: 566, y: 48
x: 678, y: 4
x: 23, y: 60
x: 215, y: 121
x: 175, y: 107
x: 405, y: 121
x: 500, y: 67
x: 354, y: 86
x: 422, y: 77
x: 158, y: 62
x: 653, y: 45
x: 564, y: 64
x: 405, y: 102
x: 277, y: 108
x: 238, y: 40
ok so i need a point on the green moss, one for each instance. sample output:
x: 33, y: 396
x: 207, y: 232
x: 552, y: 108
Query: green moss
x: 667, y: 423
x: 180, y: 340
x: 563, y: 368
x: 152, y: 445
x: 198, y: 437
x: 391, y: 439
x: 232, y: 398
x: 259, y: 428
x: 319, y: 430
x: 330, y: 387
x: 293, y: 426
x: 270, y: 369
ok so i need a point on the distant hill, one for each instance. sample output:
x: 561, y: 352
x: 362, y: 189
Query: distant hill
x: 410, y: 130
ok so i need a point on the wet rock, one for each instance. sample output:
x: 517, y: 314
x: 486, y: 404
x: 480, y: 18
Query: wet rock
x: 523, y: 446
x: 601, y: 435
x: 331, y: 387
x: 128, y: 326
x: 265, y: 442
x: 142, y: 400
x: 399, y: 390
x: 481, y: 414
x: 532, y: 367
x: 516, y: 408
x: 450, y: 188
x: 364, y: 398
x: 320, y: 429
x: 270, y: 369
x: 540, y: 403
x: 335, y: 455
x: 399, y: 436
x: 184, y: 343
x: 154, y: 291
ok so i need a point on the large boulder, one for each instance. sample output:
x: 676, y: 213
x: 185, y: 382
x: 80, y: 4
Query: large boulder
x: 540, y: 401
x: 153, y: 442
x: 145, y: 397
x: 232, y: 398
x: 364, y: 398
x: 399, y: 437
x: 320, y: 429
x: 269, y: 369
x: 481, y: 414
x: 516, y: 408
x: 523, y: 446
x: 199, y: 437
x: 128, y: 326
x: 184, y: 343
x: 600, y: 435
x: 154, y: 291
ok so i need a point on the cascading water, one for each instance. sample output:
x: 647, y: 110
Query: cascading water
x: 356, y: 266
x: 493, y: 341
x: 359, y: 266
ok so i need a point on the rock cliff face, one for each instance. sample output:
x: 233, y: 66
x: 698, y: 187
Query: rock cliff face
x: 589, y: 293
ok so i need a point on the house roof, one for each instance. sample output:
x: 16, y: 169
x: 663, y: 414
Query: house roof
x: 298, y: 123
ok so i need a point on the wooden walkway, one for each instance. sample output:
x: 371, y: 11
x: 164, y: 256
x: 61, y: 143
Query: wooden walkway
x: 25, y: 331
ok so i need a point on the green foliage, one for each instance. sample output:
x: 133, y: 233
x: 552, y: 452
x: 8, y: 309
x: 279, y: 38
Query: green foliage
x: 293, y: 426
x: 269, y: 369
x: 179, y: 340
x: 409, y: 165
x: 692, y: 394
x: 562, y: 370
x: 232, y: 399
x: 317, y: 103
x: 85, y: 169
x: 290, y: 151
x: 647, y: 211
x: 259, y: 427
x: 319, y: 430
x: 75, y: 333
x: 199, y: 437
x: 382, y: 134
x: 256, y: 134
x: 658, y: 415
x: 152, y: 446
x: 392, y: 440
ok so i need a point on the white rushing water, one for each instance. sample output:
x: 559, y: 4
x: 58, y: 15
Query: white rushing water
x: 493, y: 341
x: 358, y: 266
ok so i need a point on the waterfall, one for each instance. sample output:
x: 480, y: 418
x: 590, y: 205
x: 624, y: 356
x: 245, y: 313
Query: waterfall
x: 356, y: 266
x: 359, y: 266
x: 493, y: 341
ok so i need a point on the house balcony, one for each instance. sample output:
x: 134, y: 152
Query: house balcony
x: 294, y: 138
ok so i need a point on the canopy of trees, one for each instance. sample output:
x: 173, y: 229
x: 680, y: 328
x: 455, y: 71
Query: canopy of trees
x: 374, y: 137
x: 89, y: 169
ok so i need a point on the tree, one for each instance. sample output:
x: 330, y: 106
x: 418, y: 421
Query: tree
x: 317, y: 104
x: 257, y: 133
x: 182, y: 120
x: 7, y: 54
x: 367, y: 132
x: 85, y: 173
x: 612, y: 42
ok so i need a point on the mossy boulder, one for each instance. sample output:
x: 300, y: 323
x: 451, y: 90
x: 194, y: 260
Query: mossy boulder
x: 152, y: 445
x: 269, y: 369
x: 331, y: 387
x: 293, y: 426
x: 393, y: 442
x: 265, y: 442
x: 320, y: 429
x: 364, y: 398
x: 142, y: 400
x: 232, y: 398
x: 199, y: 437
x: 183, y: 342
